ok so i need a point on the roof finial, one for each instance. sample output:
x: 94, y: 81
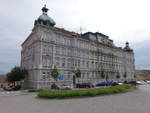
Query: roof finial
x: 44, y: 9
x: 127, y: 43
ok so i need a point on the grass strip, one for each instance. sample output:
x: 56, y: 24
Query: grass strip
x: 51, y: 94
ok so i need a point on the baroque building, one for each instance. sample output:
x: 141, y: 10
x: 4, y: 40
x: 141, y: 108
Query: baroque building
x: 93, y: 53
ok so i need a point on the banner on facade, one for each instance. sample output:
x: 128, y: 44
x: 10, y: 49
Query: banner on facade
x: 61, y: 77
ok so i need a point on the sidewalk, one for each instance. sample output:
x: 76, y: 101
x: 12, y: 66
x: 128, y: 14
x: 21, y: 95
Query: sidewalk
x: 14, y: 93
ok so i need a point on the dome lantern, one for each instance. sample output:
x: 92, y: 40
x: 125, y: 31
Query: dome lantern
x: 127, y: 47
x: 44, y: 9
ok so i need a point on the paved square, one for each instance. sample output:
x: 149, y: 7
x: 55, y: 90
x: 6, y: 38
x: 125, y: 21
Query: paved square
x: 137, y: 101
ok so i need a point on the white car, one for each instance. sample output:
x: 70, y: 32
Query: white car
x: 65, y: 87
x: 140, y: 82
x: 147, y: 81
x: 120, y: 83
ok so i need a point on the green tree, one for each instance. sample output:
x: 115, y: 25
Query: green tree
x: 118, y: 76
x: 55, y: 73
x: 77, y: 74
x: 125, y: 75
x: 16, y: 74
x: 107, y: 78
x: 135, y: 76
x: 103, y: 74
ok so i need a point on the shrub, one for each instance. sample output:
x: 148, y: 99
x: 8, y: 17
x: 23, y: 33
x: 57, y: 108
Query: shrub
x: 84, y: 92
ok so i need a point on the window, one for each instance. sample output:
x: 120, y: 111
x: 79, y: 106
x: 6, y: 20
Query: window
x: 57, y: 60
x: 75, y: 63
x: 63, y: 40
x: 87, y: 64
x: 68, y: 42
x: 88, y: 75
x: 43, y: 75
x: 69, y: 52
x: 63, y: 51
x: 83, y: 63
x: 63, y: 62
x: 50, y: 48
x: 69, y: 75
x: 44, y: 61
x: 96, y: 64
x: 69, y: 63
x: 83, y: 75
x: 57, y: 50
x: 78, y: 63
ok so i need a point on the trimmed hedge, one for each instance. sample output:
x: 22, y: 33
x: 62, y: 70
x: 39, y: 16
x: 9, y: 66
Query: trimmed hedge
x: 84, y: 93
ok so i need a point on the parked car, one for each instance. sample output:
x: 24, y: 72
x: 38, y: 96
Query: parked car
x: 7, y: 88
x: 65, y: 87
x: 104, y: 84
x: 17, y: 87
x: 132, y: 82
x: 107, y: 84
x: 139, y: 82
x: 125, y: 82
x: 13, y: 88
x: 54, y: 86
x: 114, y: 83
x: 143, y: 82
x: 84, y: 85
x: 120, y: 83
x: 147, y: 81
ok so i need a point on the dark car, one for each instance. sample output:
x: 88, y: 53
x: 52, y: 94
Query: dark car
x: 54, y: 86
x: 132, y: 82
x: 13, y: 88
x: 84, y: 85
x: 114, y: 84
x: 107, y: 84
x: 103, y: 84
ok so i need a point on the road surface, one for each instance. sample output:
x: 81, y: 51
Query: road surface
x: 137, y: 101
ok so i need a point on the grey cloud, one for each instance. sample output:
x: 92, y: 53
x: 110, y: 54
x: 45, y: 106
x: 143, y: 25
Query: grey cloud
x: 142, y: 54
x: 17, y: 19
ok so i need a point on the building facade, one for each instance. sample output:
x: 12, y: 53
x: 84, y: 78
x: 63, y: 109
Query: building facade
x: 93, y: 53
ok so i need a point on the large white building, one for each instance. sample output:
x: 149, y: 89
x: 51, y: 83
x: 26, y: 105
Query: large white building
x: 93, y: 53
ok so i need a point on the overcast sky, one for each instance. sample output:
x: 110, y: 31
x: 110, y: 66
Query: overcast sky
x: 121, y: 20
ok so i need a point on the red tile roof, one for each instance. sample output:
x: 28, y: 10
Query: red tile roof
x: 2, y: 78
x: 62, y: 30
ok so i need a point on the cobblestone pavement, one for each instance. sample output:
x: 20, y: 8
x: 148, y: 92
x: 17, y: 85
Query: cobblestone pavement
x: 137, y: 101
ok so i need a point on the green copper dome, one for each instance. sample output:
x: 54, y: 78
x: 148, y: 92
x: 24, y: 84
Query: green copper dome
x: 45, y: 19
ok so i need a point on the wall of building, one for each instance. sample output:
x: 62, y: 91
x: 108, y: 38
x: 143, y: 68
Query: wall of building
x: 46, y: 48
